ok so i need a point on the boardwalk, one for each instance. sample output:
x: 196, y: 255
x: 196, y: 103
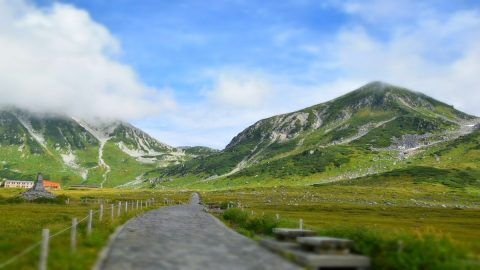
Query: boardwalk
x: 185, y: 237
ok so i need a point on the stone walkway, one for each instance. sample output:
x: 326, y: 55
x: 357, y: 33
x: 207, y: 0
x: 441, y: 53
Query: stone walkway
x: 185, y: 237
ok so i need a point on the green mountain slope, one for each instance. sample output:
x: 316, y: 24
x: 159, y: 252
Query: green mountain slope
x: 376, y: 128
x: 73, y: 151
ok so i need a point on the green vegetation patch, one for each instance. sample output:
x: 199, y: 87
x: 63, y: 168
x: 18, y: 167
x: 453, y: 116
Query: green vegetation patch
x: 303, y: 164
x: 455, y: 178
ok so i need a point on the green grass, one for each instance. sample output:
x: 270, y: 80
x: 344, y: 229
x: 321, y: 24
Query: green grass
x: 22, y: 223
x: 124, y: 168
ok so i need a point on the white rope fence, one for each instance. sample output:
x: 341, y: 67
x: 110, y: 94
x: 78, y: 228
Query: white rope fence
x: 44, y: 243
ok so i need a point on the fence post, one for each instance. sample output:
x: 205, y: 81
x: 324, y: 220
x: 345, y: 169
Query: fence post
x: 112, y: 211
x: 100, y: 213
x: 73, y: 235
x: 300, y: 224
x: 119, y: 210
x: 126, y: 206
x: 278, y: 216
x: 137, y: 204
x: 90, y: 219
x: 141, y: 205
x: 44, y: 250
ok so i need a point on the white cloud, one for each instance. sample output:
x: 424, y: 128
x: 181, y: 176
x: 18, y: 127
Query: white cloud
x: 439, y: 56
x: 58, y: 59
x: 383, y: 11
x: 241, y: 89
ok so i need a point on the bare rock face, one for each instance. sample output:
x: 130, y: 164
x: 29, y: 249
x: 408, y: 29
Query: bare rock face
x: 37, y: 191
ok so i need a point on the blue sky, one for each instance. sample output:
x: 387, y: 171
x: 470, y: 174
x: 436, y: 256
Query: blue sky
x: 208, y: 69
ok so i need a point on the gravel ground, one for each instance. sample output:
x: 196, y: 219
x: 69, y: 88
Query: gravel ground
x: 185, y: 237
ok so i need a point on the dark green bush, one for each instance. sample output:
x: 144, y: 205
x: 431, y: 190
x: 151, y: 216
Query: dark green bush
x: 236, y: 216
x: 262, y: 225
x: 14, y: 200
x: 247, y: 223
x: 57, y: 200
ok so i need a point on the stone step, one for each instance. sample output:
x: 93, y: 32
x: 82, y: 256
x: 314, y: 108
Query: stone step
x: 287, y: 234
x: 326, y: 245
x: 295, y: 252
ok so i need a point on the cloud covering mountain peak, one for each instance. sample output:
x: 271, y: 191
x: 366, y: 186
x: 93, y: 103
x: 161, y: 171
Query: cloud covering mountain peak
x: 58, y: 59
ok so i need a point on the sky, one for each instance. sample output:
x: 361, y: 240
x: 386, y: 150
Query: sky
x: 198, y: 72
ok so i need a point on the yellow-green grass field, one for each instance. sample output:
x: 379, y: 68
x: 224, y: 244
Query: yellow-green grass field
x: 22, y: 222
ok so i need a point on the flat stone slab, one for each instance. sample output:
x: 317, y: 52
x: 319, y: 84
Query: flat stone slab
x: 322, y: 244
x: 185, y: 237
x: 316, y: 261
x: 287, y: 234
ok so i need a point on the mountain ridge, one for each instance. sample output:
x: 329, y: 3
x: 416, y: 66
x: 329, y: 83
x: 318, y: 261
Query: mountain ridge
x: 343, y: 138
x: 375, y: 116
x: 75, y: 148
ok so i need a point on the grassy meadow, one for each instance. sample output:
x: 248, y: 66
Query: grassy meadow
x: 22, y: 223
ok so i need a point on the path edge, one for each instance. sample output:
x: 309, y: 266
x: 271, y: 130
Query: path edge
x: 106, y: 250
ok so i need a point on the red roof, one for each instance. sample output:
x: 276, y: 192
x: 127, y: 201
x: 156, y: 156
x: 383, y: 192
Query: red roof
x: 51, y: 184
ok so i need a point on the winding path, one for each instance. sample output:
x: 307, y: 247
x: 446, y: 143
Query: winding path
x: 185, y: 237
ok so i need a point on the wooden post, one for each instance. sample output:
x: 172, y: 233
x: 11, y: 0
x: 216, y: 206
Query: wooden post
x: 68, y: 200
x: 73, y: 235
x: 126, y: 206
x: 44, y: 250
x: 277, y: 216
x: 141, y: 205
x: 119, y: 210
x: 112, y: 211
x: 137, y: 204
x: 300, y: 224
x: 90, y: 219
x: 100, y: 213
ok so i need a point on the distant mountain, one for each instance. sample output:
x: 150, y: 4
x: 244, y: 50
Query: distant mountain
x: 71, y: 150
x: 330, y: 141
x: 198, y: 151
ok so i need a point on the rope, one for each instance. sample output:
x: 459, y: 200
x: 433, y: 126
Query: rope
x: 25, y: 251
x: 33, y: 246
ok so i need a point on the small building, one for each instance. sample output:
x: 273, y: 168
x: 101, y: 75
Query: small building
x: 51, y: 185
x: 18, y: 184
x: 80, y: 186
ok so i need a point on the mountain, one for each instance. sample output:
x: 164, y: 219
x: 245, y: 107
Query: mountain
x: 373, y: 129
x: 71, y: 150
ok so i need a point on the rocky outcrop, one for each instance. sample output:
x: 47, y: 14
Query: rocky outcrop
x: 37, y: 191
